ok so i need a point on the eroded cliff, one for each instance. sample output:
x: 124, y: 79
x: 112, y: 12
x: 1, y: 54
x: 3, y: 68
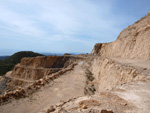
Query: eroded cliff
x: 31, y: 69
x: 133, y: 42
x: 38, y: 67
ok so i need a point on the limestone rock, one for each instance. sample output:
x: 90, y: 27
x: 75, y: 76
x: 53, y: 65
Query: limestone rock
x: 38, y: 67
x: 133, y: 42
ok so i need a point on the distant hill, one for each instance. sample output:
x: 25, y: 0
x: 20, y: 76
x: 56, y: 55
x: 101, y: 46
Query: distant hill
x: 4, y: 57
x: 8, y: 63
x: 52, y: 54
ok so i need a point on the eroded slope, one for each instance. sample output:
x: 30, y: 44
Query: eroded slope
x: 133, y: 42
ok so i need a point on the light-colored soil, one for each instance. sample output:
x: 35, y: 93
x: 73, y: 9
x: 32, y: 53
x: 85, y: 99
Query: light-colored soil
x: 66, y: 86
x: 136, y: 93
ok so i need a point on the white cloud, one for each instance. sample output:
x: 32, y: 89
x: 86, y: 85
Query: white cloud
x: 18, y: 23
x: 83, y: 21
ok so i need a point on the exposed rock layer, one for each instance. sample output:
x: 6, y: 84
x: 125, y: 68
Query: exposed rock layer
x: 38, y: 67
x: 28, y: 90
x: 133, y: 42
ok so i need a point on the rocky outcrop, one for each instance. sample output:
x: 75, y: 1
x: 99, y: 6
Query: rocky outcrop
x: 98, y: 48
x: 105, y: 102
x: 133, y: 42
x: 109, y: 73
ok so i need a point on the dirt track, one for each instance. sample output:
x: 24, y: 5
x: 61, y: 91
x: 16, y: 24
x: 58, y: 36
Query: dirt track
x: 67, y: 86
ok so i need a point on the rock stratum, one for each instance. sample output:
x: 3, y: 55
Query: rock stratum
x: 38, y: 67
x: 31, y: 69
x: 133, y: 42
x: 114, y: 78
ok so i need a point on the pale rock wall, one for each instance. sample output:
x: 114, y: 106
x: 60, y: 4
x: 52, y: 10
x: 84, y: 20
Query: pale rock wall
x: 133, y: 42
x: 109, y: 74
x: 38, y: 67
x: 21, y: 92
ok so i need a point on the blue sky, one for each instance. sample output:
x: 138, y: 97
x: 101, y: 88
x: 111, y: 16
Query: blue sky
x: 60, y: 26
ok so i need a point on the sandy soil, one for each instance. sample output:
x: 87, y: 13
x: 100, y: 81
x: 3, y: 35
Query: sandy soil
x: 67, y: 86
x: 136, y: 93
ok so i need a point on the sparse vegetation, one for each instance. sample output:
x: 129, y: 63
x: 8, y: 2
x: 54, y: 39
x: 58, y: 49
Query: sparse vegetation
x: 89, y: 75
x: 89, y: 89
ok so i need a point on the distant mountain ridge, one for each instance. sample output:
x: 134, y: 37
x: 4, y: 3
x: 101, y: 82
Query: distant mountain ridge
x: 4, y: 57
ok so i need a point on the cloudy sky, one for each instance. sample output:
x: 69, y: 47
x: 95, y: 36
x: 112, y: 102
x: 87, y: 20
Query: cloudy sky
x: 60, y: 26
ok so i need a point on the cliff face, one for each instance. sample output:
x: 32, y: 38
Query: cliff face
x: 38, y: 67
x: 130, y: 43
x: 110, y: 73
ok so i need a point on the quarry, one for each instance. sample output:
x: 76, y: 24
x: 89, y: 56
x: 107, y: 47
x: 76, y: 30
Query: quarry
x: 114, y: 78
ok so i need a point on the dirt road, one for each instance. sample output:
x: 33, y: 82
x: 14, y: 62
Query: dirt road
x: 66, y: 86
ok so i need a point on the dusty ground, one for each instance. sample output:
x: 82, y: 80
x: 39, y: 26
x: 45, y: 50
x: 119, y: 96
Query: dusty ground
x: 137, y: 93
x: 67, y: 86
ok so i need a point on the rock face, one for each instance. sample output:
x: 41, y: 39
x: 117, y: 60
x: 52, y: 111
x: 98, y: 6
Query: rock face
x: 38, y: 67
x: 133, y: 42
x: 110, y: 73
x: 31, y: 69
x: 21, y: 92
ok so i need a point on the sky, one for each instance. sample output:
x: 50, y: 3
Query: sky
x: 64, y: 26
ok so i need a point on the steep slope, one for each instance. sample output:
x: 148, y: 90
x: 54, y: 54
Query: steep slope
x: 133, y: 42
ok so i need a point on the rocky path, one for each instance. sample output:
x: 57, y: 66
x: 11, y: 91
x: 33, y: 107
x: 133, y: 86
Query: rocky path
x: 66, y: 86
